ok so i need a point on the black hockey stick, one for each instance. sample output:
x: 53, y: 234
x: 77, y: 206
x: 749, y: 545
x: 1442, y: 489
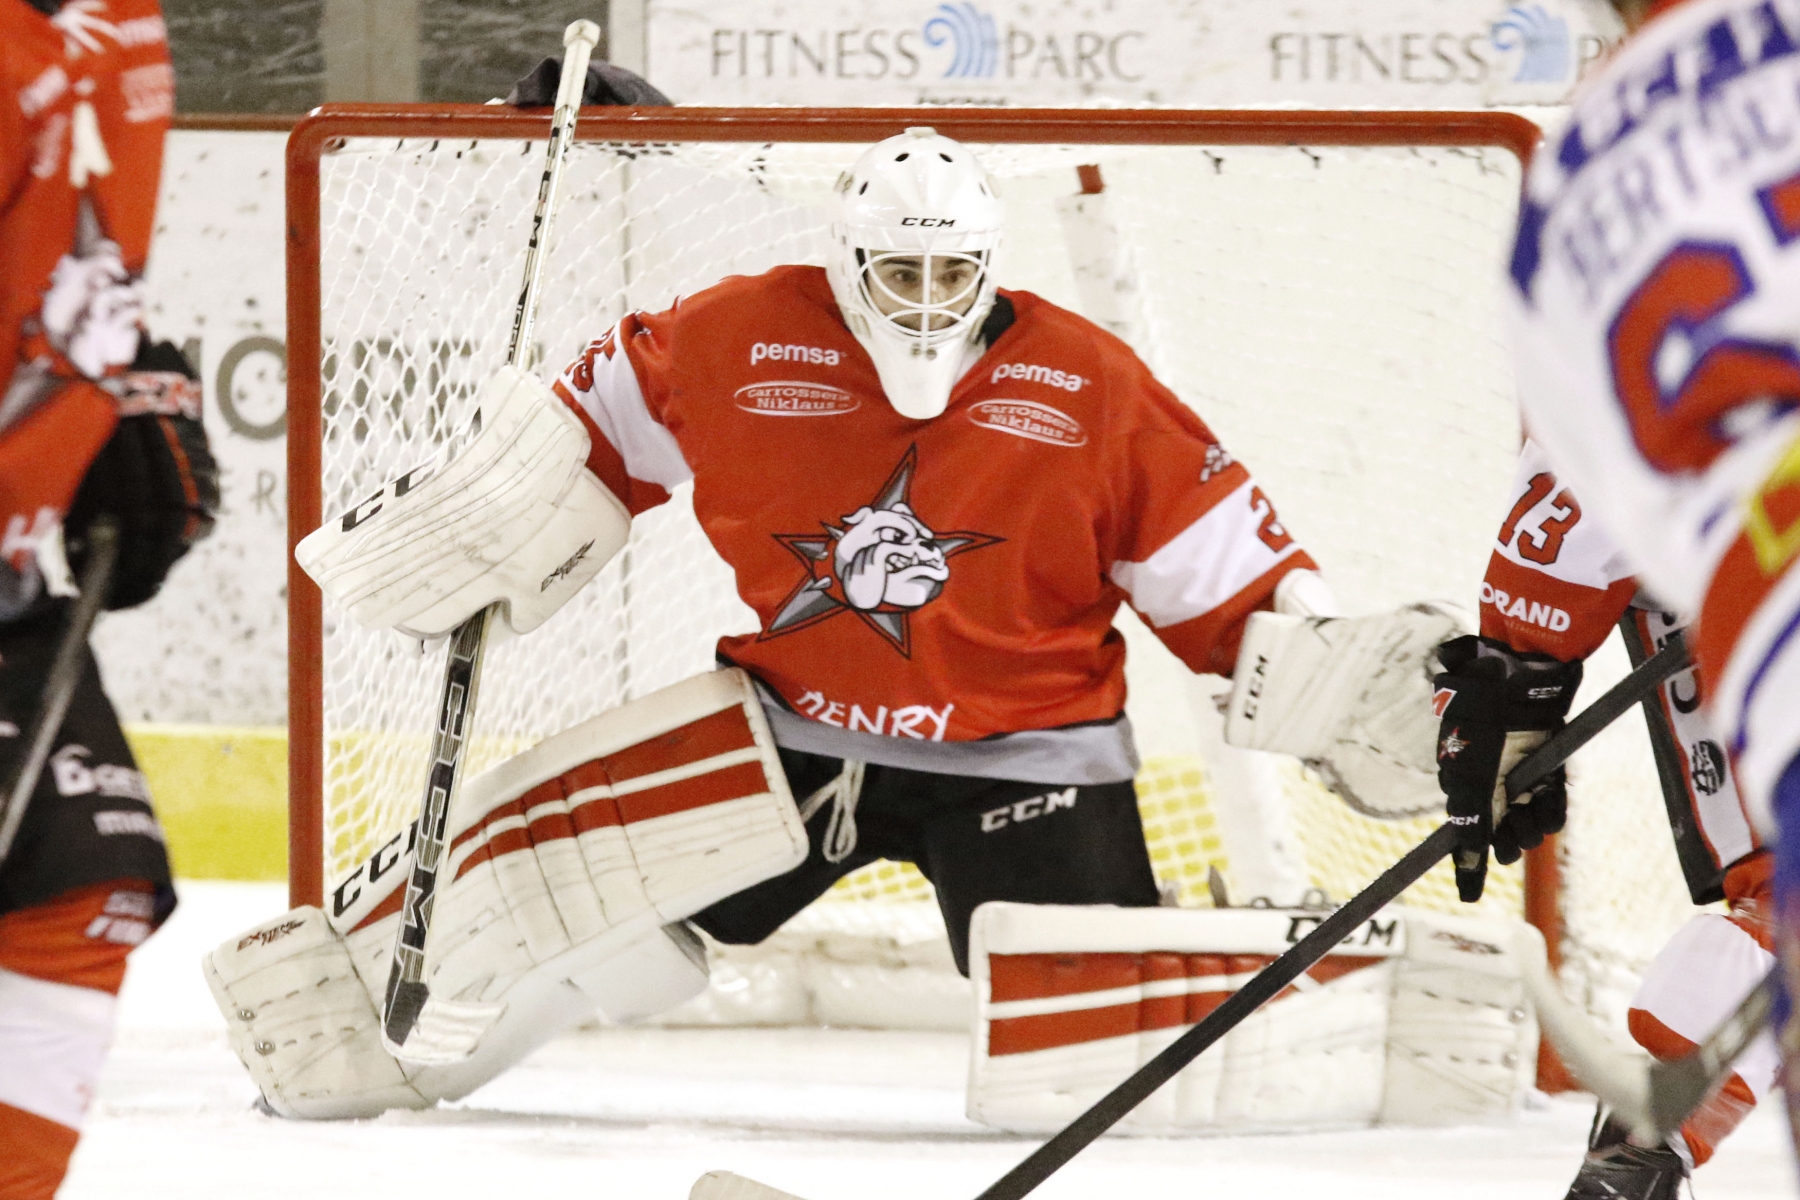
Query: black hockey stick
x: 65, y: 674
x: 407, y: 992
x: 1112, y: 1107
x: 1635, y: 688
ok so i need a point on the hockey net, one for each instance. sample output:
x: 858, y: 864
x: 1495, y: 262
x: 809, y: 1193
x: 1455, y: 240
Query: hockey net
x: 1321, y: 288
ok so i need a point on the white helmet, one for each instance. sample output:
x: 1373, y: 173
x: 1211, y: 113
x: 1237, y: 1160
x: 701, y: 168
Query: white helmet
x: 917, y: 195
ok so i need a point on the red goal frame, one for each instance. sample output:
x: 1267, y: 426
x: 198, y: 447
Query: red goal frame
x: 314, y: 135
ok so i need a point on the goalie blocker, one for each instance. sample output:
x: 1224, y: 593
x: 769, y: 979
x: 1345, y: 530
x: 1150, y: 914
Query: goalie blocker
x: 568, y: 868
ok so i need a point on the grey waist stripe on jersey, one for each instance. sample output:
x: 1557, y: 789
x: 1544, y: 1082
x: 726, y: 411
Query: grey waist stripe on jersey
x: 1081, y: 754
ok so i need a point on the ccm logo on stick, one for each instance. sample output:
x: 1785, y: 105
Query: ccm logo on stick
x: 386, y: 858
x: 1027, y: 809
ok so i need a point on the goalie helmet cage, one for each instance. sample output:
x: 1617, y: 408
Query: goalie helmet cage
x: 1322, y: 286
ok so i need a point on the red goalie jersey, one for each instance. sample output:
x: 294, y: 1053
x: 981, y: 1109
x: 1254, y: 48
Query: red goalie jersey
x: 950, y: 580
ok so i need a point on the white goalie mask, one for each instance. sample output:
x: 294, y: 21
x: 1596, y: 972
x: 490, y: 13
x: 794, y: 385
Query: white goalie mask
x: 921, y: 197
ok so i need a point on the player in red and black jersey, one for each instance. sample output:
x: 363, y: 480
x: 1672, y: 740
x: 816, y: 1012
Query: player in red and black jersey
x: 95, y: 418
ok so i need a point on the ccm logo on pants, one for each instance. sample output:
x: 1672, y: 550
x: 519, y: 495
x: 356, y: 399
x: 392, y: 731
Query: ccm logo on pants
x: 1026, y: 809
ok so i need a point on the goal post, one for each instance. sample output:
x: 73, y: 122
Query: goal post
x: 1321, y: 286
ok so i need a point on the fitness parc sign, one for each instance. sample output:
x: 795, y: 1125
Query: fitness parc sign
x: 1191, y: 53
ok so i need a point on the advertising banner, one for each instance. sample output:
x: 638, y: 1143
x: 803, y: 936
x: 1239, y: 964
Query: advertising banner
x: 211, y: 649
x: 1187, y: 53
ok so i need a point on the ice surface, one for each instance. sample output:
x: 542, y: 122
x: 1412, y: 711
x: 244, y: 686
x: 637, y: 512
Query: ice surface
x: 624, y: 1114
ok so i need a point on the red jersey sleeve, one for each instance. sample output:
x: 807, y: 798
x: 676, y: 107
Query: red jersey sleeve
x: 617, y: 387
x: 1198, y: 546
x: 90, y: 96
x: 1555, y: 584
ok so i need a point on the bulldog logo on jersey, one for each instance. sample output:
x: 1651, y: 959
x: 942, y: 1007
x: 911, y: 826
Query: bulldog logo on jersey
x: 883, y: 563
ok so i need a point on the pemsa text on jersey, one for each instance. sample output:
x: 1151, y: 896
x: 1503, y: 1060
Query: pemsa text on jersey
x: 1655, y: 298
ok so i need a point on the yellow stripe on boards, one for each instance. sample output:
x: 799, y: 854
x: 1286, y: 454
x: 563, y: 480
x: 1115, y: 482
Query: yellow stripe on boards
x: 221, y: 794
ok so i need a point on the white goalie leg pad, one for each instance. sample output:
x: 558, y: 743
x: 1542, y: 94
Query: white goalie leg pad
x: 1462, y: 1037
x: 303, y: 1023
x: 306, y: 1023
x: 507, y: 513
x: 1414, y: 1019
x: 1351, y: 697
x: 565, y: 866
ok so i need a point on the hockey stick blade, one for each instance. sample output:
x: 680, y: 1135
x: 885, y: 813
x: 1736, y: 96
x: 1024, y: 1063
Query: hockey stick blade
x: 1635, y: 688
x: 723, y: 1185
x: 1678, y: 1087
x: 456, y: 1029
x: 65, y: 674
x: 1652, y: 1101
x: 1608, y: 1070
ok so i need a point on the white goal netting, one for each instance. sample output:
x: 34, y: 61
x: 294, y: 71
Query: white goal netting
x: 1330, y: 312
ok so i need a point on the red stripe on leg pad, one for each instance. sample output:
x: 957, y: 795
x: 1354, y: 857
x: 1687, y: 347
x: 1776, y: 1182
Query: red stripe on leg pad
x: 601, y: 812
x: 1038, y: 976
x: 715, y: 787
x: 590, y: 774
x: 1014, y: 977
x: 720, y: 733
x: 551, y: 827
x: 1164, y: 1012
x: 1022, y: 1035
x: 510, y: 842
x: 390, y: 903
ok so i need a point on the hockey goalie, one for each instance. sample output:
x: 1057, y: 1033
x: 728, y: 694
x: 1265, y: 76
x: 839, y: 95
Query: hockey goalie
x: 935, y: 527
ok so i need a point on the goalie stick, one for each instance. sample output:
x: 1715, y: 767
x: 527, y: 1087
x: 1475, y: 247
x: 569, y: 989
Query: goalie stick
x: 407, y: 993
x: 65, y: 673
x: 1112, y: 1107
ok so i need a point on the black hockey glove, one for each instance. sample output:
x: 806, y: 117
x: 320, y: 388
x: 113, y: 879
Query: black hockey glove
x: 606, y: 84
x: 1497, y: 706
x: 156, y: 476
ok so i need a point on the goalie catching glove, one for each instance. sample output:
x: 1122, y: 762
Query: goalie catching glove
x: 1497, y: 706
x: 1350, y: 697
x: 508, y: 513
